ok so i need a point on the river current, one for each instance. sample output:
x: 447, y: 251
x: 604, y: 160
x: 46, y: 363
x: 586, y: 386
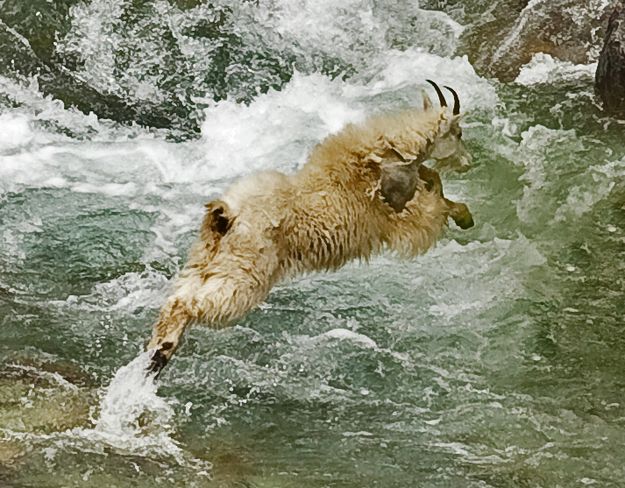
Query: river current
x: 494, y: 360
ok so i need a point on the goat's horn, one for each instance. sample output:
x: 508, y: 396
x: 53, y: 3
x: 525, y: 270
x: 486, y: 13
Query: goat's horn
x: 441, y: 97
x: 456, y: 100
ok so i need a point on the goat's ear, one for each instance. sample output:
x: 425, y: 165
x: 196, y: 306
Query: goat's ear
x: 217, y: 220
x: 427, y: 103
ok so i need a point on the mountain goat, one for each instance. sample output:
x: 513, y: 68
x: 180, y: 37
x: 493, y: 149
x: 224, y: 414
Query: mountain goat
x: 362, y: 190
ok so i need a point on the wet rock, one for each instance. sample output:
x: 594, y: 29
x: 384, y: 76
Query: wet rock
x: 19, y: 61
x: 508, y: 34
x: 10, y: 451
x: 28, y: 40
x: 32, y: 400
x: 610, y: 75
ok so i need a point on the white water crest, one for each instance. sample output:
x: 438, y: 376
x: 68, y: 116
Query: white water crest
x: 132, y: 417
x: 132, y: 394
x: 543, y: 68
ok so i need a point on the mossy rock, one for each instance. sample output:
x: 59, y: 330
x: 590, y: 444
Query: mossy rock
x: 36, y: 401
x: 10, y: 452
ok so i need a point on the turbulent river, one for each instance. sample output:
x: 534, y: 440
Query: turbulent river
x: 495, y: 360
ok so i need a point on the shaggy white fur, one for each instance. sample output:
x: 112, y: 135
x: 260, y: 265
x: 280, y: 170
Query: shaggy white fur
x: 362, y: 190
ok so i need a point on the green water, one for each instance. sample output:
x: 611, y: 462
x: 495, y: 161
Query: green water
x: 495, y: 360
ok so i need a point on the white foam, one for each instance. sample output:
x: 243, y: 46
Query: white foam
x: 332, y: 29
x: 114, y: 169
x: 15, y: 131
x: 131, y: 394
x: 399, y: 68
x: 543, y: 68
x: 348, y: 335
x: 38, y: 108
x: 355, y: 33
x: 129, y: 292
x: 111, y: 189
x: 532, y: 153
x: 597, y: 183
x: 132, y: 417
x: 278, y: 128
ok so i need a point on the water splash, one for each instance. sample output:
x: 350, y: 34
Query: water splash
x: 129, y: 398
x: 133, y: 419
x: 544, y: 68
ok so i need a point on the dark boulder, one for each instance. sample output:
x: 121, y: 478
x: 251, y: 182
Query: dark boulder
x: 506, y: 36
x: 610, y: 75
x: 155, y: 64
x: 29, y: 34
x: 19, y: 60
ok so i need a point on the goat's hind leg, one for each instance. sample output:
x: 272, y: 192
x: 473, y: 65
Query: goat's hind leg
x: 174, y: 316
x: 167, y: 334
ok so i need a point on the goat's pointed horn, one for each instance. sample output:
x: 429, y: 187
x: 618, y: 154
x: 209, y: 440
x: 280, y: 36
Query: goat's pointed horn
x: 441, y: 97
x: 456, y: 110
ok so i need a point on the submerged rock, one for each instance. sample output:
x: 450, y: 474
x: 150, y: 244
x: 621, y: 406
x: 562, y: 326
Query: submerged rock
x: 10, y: 451
x: 155, y: 64
x: 33, y: 400
x: 610, y: 75
x: 19, y: 60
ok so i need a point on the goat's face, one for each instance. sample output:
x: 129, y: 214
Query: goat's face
x: 448, y: 148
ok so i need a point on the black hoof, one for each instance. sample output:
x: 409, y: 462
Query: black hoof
x: 466, y: 222
x: 157, y: 363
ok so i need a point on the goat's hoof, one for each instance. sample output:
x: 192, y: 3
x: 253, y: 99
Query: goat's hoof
x: 464, y: 221
x: 157, y: 362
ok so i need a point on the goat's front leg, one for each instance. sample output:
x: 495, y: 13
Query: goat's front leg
x: 460, y: 213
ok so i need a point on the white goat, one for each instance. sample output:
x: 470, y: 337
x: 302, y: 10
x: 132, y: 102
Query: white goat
x: 362, y: 190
